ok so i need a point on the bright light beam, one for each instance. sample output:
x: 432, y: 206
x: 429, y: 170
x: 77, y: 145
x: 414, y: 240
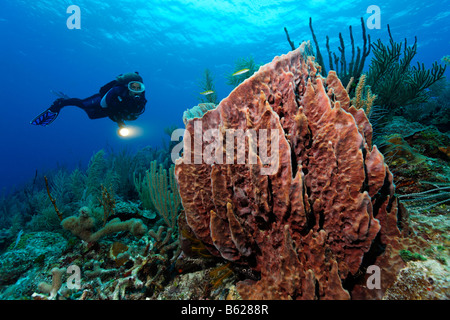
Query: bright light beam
x: 129, y: 132
x: 124, y: 132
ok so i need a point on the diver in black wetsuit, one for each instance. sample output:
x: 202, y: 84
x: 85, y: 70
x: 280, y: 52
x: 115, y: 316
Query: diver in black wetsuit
x: 121, y: 99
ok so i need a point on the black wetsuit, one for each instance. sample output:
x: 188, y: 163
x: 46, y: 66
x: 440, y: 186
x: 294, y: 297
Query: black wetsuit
x: 120, y: 105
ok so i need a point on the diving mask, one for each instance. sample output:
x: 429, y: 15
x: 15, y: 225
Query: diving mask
x: 136, y: 87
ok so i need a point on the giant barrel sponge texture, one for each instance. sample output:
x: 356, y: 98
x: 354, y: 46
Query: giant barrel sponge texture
x: 308, y: 222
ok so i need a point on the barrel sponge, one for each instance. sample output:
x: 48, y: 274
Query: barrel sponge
x: 308, y: 227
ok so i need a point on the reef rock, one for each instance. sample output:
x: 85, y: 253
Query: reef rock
x: 421, y: 280
x: 281, y: 178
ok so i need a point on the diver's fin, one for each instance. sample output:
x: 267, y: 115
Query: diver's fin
x: 44, y: 118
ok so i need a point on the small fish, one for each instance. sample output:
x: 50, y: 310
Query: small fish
x: 446, y: 59
x: 18, y: 238
x: 240, y: 72
x: 207, y: 92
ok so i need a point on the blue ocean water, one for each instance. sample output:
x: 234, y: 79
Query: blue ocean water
x: 170, y: 43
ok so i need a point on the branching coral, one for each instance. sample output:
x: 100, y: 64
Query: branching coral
x: 108, y: 203
x: 392, y: 78
x: 309, y: 226
x: 166, y: 200
x: 52, y: 200
x: 207, y: 85
x: 50, y: 289
x: 82, y: 225
x: 141, y: 185
x: 363, y: 96
x: 338, y: 63
x: 101, y: 172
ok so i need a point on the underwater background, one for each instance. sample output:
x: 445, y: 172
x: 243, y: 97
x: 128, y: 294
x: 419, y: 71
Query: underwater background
x: 171, y: 44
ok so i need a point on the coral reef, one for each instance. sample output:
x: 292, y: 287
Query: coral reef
x: 114, y: 263
x: 436, y: 111
x: 309, y: 224
x: 116, y: 266
x: 308, y: 214
x: 417, y: 155
x: 420, y: 280
x: 32, y: 253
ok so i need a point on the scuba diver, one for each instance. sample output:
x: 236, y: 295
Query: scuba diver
x: 121, y: 99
